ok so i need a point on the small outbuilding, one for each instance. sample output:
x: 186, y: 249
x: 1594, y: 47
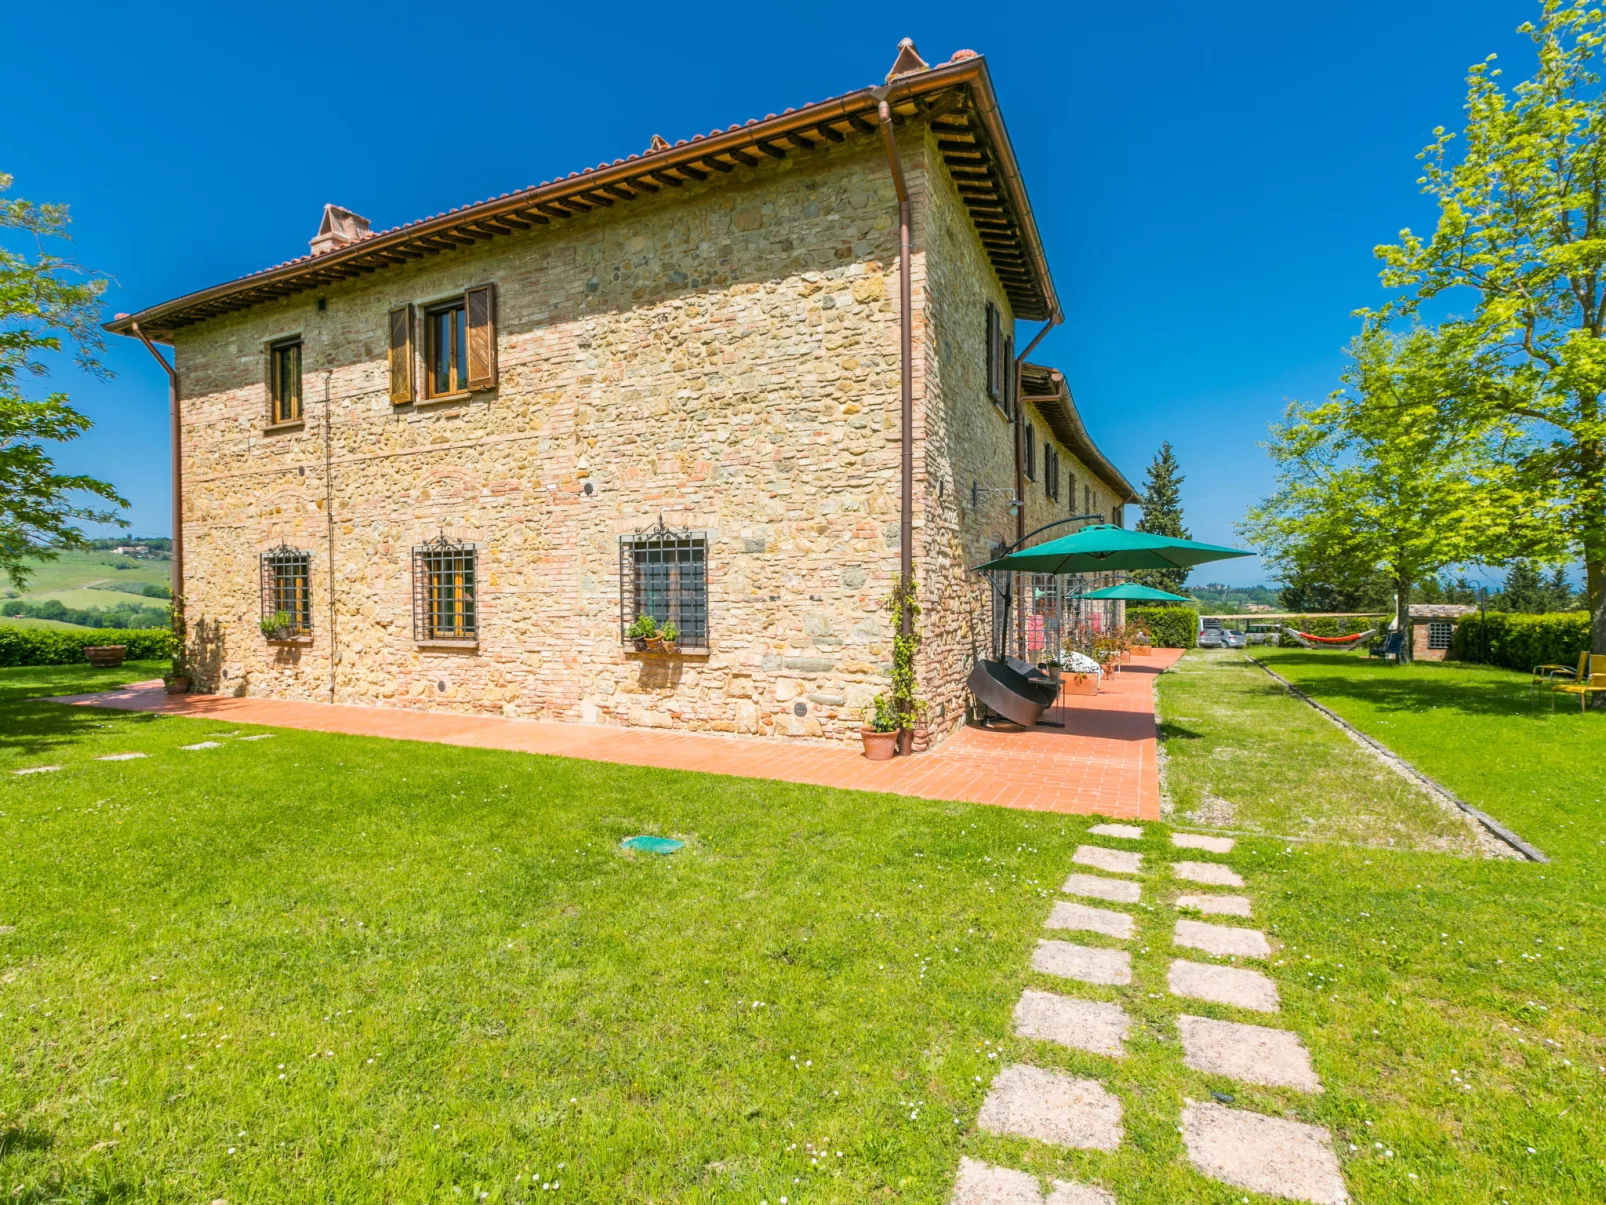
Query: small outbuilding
x: 1432, y: 624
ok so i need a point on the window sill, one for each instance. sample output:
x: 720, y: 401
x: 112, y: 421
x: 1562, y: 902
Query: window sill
x: 295, y: 424
x: 680, y: 654
x: 292, y: 640
x: 441, y: 399
x: 448, y: 645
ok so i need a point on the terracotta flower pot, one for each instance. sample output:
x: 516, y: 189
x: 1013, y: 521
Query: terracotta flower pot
x: 668, y: 646
x: 178, y: 686
x: 1126, y: 656
x: 1142, y: 650
x: 879, y: 746
x: 105, y: 655
x: 1079, y: 684
x: 655, y: 643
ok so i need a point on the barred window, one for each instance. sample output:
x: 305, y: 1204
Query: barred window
x: 287, y: 592
x: 1439, y: 632
x: 664, y: 573
x: 444, y: 604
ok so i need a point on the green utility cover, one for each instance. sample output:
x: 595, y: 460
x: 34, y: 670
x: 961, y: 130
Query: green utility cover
x: 652, y: 845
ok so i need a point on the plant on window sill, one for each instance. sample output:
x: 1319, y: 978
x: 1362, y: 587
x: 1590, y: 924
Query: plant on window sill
x: 281, y: 625
x: 644, y: 632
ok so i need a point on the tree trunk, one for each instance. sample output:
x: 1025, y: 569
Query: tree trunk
x: 1402, y: 617
x: 1595, y: 586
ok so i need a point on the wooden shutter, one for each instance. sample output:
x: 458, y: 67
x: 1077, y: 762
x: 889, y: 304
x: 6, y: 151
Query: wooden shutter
x: 1008, y: 374
x: 481, y: 303
x: 992, y: 351
x: 401, y: 355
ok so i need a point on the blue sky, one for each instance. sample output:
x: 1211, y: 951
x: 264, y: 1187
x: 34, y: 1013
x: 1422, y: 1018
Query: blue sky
x: 1209, y: 179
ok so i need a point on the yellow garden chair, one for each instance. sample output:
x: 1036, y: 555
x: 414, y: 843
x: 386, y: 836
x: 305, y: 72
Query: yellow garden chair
x: 1548, y: 675
x: 1590, y: 680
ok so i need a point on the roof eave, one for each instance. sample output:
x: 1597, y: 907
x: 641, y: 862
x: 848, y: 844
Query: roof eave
x: 1058, y: 408
x: 293, y: 276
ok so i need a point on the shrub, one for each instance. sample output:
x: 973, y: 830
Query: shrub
x: 1522, y: 641
x: 57, y: 646
x: 1169, y: 627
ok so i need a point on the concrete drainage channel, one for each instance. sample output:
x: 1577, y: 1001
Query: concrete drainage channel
x: 1407, y: 770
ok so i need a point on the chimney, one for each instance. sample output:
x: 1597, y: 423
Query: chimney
x: 339, y: 228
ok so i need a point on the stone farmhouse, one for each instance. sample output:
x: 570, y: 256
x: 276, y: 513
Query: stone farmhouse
x: 447, y: 465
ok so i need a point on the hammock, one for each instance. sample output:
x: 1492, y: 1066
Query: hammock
x: 1319, y: 642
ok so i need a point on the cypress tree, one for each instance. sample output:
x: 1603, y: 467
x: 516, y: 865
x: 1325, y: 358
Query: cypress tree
x: 1162, y: 516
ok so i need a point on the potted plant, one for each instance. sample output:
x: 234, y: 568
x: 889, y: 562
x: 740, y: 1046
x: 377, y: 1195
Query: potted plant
x: 1053, y: 668
x: 1083, y: 675
x: 1142, y: 642
x: 669, y: 633
x: 281, y: 625
x: 104, y: 656
x: 177, y: 678
x: 645, y: 633
x: 881, y: 730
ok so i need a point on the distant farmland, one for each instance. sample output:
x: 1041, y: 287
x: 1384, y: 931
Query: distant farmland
x: 102, y: 584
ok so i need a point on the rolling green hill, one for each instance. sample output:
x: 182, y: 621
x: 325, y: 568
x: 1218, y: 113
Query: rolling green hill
x: 92, y: 580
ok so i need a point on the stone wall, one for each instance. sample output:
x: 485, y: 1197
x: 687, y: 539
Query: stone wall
x: 725, y: 356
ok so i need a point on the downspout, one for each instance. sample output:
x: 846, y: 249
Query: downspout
x: 1020, y: 476
x: 906, y: 403
x: 329, y: 515
x: 178, y: 467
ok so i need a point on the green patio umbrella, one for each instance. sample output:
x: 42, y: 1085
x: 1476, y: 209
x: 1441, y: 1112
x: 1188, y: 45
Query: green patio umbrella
x: 1104, y: 548
x: 1132, y: 592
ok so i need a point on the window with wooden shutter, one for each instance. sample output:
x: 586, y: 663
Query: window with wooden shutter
x: 481, y: 305
x: 1031, y: 453
x: 284, y: 381
x: 992, y: 351
x: 401, y: 355
x: 1008, y: 354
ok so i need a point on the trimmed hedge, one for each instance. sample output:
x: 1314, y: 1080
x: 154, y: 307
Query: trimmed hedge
x: 1169, y: 627
x: 1327, y: 625
x: 59, y: 646
x: 1522, y: 641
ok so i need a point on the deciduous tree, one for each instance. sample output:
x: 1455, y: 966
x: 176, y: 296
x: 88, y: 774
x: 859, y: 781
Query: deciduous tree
x: 46, y: 301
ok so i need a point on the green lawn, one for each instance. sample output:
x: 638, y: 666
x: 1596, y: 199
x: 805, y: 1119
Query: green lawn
x: 1458, y: 1001
x: 462, y: 982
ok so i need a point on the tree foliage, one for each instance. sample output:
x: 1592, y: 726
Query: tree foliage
x: 1162, y: 516
x: 1370, y: 485
x: 1522, y: 231
x: 46, y: 302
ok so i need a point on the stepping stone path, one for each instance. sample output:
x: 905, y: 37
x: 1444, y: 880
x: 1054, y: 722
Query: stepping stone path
x: 1090, y: 886
x: 1116, y: 861
x: 1096, y: 1026
x: 1215, y: 905
x: 1223, y: 941
x: 1071, y: 961
x: 1094, y: 920
x: 120, y: 756
x: 1212, y: 874
x: 1247, y: 1150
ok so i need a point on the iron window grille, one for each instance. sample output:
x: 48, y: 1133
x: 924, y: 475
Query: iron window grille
x: 1439, y: 633
x: 444, y: 583
x: 287, y: 589
x: 663, y: 572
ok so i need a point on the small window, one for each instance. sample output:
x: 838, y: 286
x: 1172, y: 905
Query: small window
x: 444, y: 604
x: 284, y: 381
x: 1031, y: 453
x: 446, y: 349
x: 1439, y: 631
x: 664, y: 573
x: 1008, y: 352
x: 1051, y: 471
x: 286, y: 593
x: 1070, y: 490
x: 994, y: 348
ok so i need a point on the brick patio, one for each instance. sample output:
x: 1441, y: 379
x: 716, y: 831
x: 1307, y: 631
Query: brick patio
x: 1102, y: 762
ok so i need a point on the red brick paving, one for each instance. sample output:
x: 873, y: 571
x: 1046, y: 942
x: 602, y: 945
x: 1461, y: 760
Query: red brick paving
x: 1102, y: 762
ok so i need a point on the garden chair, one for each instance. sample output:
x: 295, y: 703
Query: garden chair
x: 1389, y: 648
x: 1545, y: 675
x: 1591, y: 680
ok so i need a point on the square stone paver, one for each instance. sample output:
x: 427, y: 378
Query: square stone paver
x: 1272, y: 1155
x: 1214, y: 845
x: 260, y: 736
x: 1066, y: 915
x: 1237, y: 986
x: 1116, y: 861
x: 120, y: 756
x: 1251, y: 1053
x: 202, y: 745
x: 1090, y: 886
x: 1223, y: 941
x: 1127, y: 832
x: 1096, y: 1026
x: 1051, y: 1106
x: 1217, y: 905
x: 1112, y: 968
x: 1211, y: 873
x: 983, y: 1184
x: 36, y: 770
x: 1067, y: 1192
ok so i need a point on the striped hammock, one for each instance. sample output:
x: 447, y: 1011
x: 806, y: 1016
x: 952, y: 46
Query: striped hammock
x: 1312, y: 641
